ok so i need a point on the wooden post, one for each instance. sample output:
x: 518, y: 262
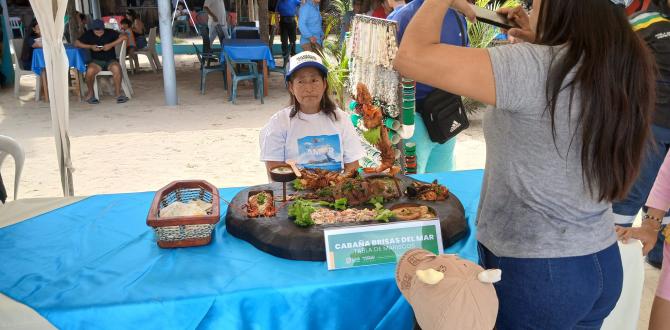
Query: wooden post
x: 263, y: 20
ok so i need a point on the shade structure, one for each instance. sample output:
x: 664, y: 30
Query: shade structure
x: 50, y: 15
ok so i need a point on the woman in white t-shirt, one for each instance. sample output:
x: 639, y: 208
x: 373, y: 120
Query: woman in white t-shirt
x: 312, y: 131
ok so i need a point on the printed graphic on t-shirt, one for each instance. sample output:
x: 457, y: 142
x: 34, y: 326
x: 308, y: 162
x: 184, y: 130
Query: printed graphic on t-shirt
x: 322, y: 152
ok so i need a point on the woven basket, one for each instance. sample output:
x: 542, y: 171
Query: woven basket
x: 184, y: 231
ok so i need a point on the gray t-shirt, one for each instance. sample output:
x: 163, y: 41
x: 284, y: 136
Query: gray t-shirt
x: 534, y: 203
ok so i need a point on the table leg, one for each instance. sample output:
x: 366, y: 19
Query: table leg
x: 229, y: 78
x: 80, y: 84
x: 265, y: 78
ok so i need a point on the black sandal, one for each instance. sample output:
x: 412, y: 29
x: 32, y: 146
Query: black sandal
x: 92, y: 100
x: 122, y: 99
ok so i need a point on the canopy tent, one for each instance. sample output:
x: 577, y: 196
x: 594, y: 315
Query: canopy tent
x: 51, y: 17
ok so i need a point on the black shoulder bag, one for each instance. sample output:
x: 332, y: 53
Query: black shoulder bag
x: 443, y: 113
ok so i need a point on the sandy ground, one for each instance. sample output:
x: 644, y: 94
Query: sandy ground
x: 143, y: 145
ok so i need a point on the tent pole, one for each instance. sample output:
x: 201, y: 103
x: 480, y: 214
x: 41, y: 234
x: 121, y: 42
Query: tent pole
x: 5, y: 15
x: 95, y: 9
x: 169, y: 75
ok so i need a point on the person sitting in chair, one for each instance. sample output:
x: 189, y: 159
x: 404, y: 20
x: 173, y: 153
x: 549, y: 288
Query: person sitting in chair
x: 101, y: 43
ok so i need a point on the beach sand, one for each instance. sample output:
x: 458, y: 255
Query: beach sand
x: 142, y: 145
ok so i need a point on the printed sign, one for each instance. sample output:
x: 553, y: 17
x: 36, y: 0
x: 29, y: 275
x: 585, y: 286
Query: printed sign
x: 379, y: 244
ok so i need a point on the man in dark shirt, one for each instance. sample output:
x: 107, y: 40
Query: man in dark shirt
x: 287, y: 10
x: 101, y: 43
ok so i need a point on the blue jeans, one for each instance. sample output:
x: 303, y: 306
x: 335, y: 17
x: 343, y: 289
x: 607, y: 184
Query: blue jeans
x: 431, y: 157
x: 556, y: 293
x: 626, y: 210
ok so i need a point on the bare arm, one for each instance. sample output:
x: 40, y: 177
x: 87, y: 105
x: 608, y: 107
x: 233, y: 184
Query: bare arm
x: 119, y: 40
x: 80, y: 44
x: 462, y: 71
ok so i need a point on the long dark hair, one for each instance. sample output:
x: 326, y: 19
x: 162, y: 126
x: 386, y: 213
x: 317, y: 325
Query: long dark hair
x: 132, y: 14
x: 327, y: 105
x: 615, y: 77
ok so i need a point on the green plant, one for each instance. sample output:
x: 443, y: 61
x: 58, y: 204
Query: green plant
x: 334, y: 56
x: 339, y: 9
x: 341, y: 6
x: 481, y: 34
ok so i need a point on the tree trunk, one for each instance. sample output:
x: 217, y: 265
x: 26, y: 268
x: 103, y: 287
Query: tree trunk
x: 263, y: 20
x: 74, y: 28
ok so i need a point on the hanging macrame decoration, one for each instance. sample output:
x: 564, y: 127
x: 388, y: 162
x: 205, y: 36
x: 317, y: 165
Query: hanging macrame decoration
x: 371, y: 50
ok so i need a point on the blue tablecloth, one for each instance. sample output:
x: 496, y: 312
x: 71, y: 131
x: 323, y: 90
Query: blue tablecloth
x: 95, y: 264
x: 248, y: 49
x: 75, y: 56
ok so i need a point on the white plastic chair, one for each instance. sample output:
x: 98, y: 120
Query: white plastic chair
x: 16, y: 24
x: 125, y: 82
x: 9, y: 146
x: 150, y: 51
x: 15, y: 50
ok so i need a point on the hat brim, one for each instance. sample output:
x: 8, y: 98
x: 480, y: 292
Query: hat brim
x: 407, y: 266
x: 316, y: 65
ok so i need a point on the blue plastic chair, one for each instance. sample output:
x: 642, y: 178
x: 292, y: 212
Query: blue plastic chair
x: 206, y: 68
x: 237, y: 76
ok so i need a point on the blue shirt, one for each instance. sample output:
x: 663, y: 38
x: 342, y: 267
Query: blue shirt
x: 309, y: 23
x: 450, y: 34
x: 287, y: 7
x: 394, y: 12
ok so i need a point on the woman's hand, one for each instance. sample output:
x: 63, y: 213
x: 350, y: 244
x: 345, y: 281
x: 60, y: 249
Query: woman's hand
x: 463, y: 6
x: 519, y: 17
x: 645, y: 234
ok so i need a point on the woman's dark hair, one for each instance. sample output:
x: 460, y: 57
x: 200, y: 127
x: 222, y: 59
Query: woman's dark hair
x: 30, y: 35
x: 132, y: 14
x: 126, y: 22
x: 327, y: 105
x: 615, y: 77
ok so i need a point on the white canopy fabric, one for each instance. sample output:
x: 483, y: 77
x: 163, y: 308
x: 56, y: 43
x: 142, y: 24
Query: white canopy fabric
x: 50, y: 15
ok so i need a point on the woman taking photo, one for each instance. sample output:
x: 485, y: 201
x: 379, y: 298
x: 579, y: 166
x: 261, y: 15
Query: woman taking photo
x: 571, y: 113
x: 312, y: 131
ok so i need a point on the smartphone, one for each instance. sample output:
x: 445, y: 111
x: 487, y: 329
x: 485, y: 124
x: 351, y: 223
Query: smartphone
x: 491, y: 17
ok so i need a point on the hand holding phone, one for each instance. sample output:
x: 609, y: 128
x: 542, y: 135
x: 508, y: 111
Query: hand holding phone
x: 523, y: 31
x: 491, y: 17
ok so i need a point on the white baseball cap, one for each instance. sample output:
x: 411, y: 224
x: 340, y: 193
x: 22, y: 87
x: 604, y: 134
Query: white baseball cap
x: 304, y: 60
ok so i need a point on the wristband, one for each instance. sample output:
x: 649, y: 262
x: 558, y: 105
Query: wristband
x: 656, y: 220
